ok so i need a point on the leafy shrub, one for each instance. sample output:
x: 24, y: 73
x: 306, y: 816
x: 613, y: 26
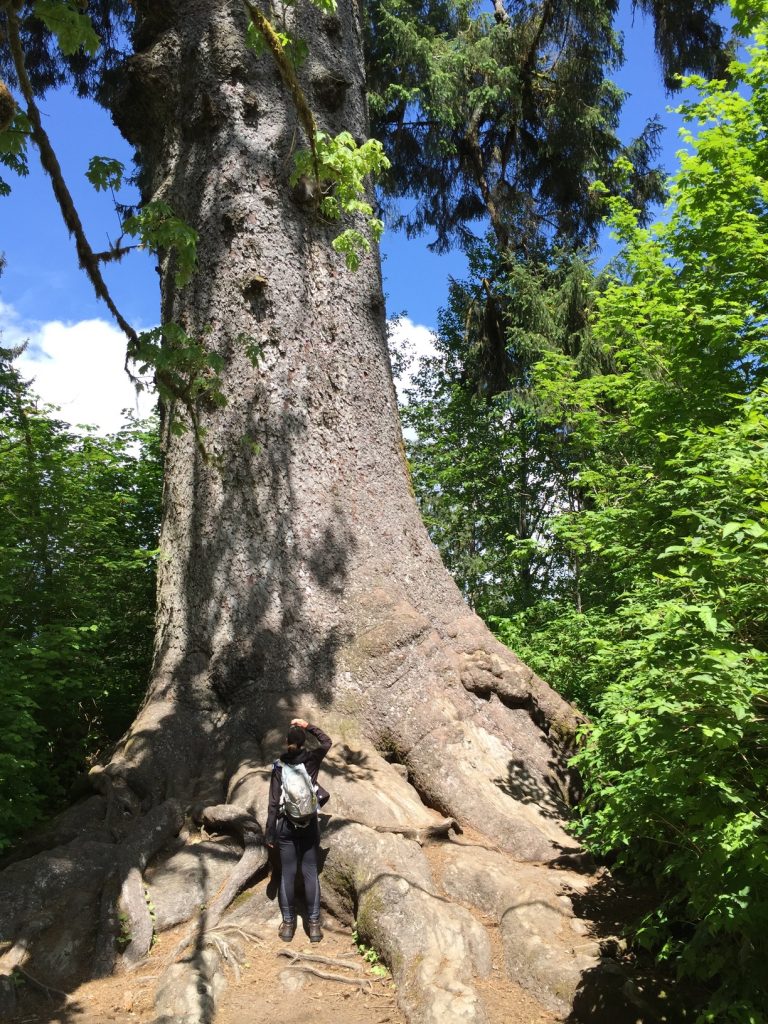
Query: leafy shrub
x: 78, y: 539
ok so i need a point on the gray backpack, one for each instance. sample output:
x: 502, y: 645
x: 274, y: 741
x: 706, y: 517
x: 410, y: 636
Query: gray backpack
x: 298, y: 801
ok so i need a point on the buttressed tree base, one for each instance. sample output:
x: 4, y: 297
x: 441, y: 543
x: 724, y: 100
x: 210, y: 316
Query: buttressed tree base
x: 296, y: 579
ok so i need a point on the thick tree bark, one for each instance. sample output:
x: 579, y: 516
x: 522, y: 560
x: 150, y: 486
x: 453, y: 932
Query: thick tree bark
x: 295, y: 571
x: 295, y: 574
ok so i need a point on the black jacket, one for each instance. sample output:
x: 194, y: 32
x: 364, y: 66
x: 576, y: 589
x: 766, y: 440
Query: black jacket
x: 311, y: 758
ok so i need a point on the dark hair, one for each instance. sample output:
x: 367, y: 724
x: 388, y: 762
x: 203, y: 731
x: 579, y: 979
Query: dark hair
x: 296, y: 736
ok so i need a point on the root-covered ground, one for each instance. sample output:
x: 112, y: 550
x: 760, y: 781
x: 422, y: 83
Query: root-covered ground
x: 444, y: 849
x: 469, y: 933
x: 272, y: 982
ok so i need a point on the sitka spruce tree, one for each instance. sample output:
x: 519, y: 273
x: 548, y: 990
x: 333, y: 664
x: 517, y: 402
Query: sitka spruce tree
x: 295, y: 575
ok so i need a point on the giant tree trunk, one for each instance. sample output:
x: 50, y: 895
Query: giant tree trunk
x: 296, y: 578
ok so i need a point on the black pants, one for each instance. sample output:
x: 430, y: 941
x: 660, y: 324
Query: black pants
x: 298, y: 847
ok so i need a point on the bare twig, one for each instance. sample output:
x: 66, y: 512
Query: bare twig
x: 39, y: 984
x: 242, y: 932
x: 329, y: 961
x: 359, y: 983
x: 50, y: 162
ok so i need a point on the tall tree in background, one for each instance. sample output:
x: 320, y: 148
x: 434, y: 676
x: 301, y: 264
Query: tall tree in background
x: 507, y: 117
x: 502, y: 121
x: 491, y: 472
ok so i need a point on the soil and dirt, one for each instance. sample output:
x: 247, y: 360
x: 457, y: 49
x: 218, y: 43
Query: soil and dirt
x: 266, y: 981
x: 486, y: 939
x: 269, y: 984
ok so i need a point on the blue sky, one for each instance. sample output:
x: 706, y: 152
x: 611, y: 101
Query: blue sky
x: 42, y: 282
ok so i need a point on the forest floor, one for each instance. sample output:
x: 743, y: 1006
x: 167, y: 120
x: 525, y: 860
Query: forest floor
x: 269, y: 986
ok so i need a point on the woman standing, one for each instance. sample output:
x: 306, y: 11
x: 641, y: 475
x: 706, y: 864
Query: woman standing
x: 297, y: 841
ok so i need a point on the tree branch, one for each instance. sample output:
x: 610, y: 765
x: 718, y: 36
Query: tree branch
x: 264, y: 26
x: 49, y: 160
x: 500, y: 13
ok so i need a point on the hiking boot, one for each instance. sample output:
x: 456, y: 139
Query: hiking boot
x: 315, y: 931
x: 287, y: 930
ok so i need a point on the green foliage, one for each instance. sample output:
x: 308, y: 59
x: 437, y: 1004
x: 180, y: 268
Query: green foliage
x: 509, y: 116
x: 70, y: 24
x: 340, y: 167
x: 183, y: 367
x: 78, y: 541
x: 748, y: 14
x: 326, y: 6
x: 371, y: 957
x: 105, y: 173
x: 670, y: 653
x: 159, y: 229
x: 13, y: 149
x: 295, y: 49
x: 125, y: 937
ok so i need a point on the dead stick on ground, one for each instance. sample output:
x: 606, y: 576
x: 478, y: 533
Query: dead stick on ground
x: 306, y: 969
x: 329, y: 961
x: 39, y: 984
x: 224, y: 926
x: 420, y: 834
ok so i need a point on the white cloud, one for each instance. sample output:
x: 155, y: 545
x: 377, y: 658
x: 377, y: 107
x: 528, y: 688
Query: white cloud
x: 79, y: 367
x: 76, y: 367
x: 413, y: 342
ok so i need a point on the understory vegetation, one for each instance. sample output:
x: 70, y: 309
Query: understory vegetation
x: 608, y: 511
x: 78, y: 539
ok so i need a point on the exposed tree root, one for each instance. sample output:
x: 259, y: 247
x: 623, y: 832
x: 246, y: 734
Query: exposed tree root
x: 228, y: 817
x: 188, y: 991
x: 432, y: 947
x: 375, y: 873
x: 82, y: 822
x: 420, y: 835
x: 477, y: 758
x: 124, y: 910
x: 547, y: 949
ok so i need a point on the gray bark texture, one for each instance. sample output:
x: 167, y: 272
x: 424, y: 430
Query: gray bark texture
x: 296, y: 579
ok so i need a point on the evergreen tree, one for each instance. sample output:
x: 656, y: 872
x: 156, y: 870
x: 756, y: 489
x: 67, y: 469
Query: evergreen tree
x: 490, y: 469
x: 507, y: 121
x: 508, y: 117
x: 295, y: 577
